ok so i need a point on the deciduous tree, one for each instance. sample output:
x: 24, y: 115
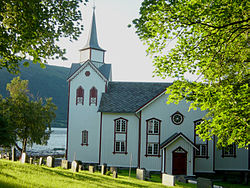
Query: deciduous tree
x: 31, y: 29
x: 30, y: 117
x: 211, y: 42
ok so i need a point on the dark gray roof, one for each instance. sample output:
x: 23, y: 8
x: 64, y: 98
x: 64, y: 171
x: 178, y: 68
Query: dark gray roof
x: 92, y: 40
x: 128, y: 97
x: 105, y: 69
x: 73, y: 69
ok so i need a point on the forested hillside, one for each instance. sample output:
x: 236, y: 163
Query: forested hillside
x: 48, y: 82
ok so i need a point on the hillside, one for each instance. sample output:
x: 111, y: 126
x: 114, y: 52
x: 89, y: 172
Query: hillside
x: 49, y: 82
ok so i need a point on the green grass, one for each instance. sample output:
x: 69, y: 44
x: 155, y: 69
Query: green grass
x: 15, y: 174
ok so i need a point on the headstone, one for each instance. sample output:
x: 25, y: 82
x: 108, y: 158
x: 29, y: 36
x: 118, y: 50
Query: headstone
x: 168, y: 180
x: 50, y: 161
x: 140, y: 174
x: 65, y: 164
x: 8, y: 156
x: 80, y: 167
x: 147, y: 175
x: 204, y: 183
x: 91, y: 169
x: 104, y: 169
x: 181, y: 179
x: 23, y: 158
x: 13, y: 154
x: 75, y: 166
x: 0, y: 155
x: 115, y: 174
x: 112, y: 169
x: 31, y: 160
x: 41, y: 161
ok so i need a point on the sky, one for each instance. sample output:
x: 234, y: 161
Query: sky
x: 124, y: 50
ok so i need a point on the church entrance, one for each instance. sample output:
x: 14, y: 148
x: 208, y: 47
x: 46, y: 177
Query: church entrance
x: 179, y: 166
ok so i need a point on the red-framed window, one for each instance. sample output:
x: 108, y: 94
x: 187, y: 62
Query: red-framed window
x: 153, y: 149
x: 120, y: 136
x: 93, y: 96
x: 229, y: 151
x: 84, y: 138
x: 202, y: 146
x: 153, y: 130
x: 79, y: 95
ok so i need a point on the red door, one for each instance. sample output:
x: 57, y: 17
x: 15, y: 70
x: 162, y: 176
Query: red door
x: 179, y: 162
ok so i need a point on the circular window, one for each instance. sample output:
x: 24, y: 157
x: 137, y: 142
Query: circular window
x: 87, y: 73
x: 177, y: 118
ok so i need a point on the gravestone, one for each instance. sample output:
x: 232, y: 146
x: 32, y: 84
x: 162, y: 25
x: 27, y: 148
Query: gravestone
x: 0, y: 155
x: 80, y: 167
x: 23, y: 158
x: 168, y: 180
x: 115, y: 174
x: 41, y: 161
x: 147, y: 175
x: 75, y: 166
x: 140, y: 174
x: 8, y: 156
x: 104, y: 169
x: 181, y: 179
x: 112, y: 168
x: 204, y: 183
x: 50, y: 161
x: 31, y: 160
x: 91, y: 169
x: 65, y: 164
x: 13, y: 154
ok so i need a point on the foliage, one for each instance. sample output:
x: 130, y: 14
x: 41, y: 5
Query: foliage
x: 32, y: 28
x: 7, y: 138
x: 53, y: 78
x: 30, y: 118
x: 211, y: 42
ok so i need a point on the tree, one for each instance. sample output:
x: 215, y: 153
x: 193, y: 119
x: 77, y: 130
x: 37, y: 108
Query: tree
x: 211, y: 42
x: 7, y: 136
x: 30, y: 118
x: 30, y: 29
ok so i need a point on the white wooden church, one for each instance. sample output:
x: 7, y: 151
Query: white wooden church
x: 123, y: 123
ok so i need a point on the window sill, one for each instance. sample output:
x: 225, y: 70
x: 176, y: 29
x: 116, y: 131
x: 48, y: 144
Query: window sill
x: 234, y: 156
x: 147, y: 155
x: 116, y: 152
x: 84, y: 144
x: 202, y: 157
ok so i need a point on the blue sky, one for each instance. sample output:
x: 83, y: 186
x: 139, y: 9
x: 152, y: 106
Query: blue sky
x: 123, y: 48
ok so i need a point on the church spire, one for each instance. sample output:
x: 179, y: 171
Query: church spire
x: 92, y: 41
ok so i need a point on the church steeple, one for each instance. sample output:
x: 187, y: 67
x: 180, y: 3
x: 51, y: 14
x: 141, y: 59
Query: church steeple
x: 92, y: 51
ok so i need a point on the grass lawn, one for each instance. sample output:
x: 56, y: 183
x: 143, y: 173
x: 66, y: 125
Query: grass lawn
x: 15, y: 174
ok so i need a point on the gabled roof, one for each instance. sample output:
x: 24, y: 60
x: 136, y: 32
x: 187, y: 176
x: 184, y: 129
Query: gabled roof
x: 92, y: 39
x: 174, y: 137
x: 105, y: 69
x: 127, y: 97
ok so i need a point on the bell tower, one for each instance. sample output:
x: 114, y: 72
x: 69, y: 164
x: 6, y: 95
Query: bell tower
x: 92, y: 51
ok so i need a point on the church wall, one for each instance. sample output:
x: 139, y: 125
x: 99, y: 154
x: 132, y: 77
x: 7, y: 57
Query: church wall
x: 97, y: 55
x: 84, y: 117
x: 116, y: 159
x: 237, y: 163
x: 162, y: 111
x: 84, y: 55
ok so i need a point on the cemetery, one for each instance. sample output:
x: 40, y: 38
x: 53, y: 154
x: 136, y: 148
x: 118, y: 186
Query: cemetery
x: 141, y: 176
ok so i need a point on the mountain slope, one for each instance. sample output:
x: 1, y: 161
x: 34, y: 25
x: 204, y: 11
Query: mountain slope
x: 48, y: 82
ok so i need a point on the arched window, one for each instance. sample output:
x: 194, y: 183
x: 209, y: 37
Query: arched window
x: 93, y: 96
x: 120, y: 136
x: 79, y: 95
